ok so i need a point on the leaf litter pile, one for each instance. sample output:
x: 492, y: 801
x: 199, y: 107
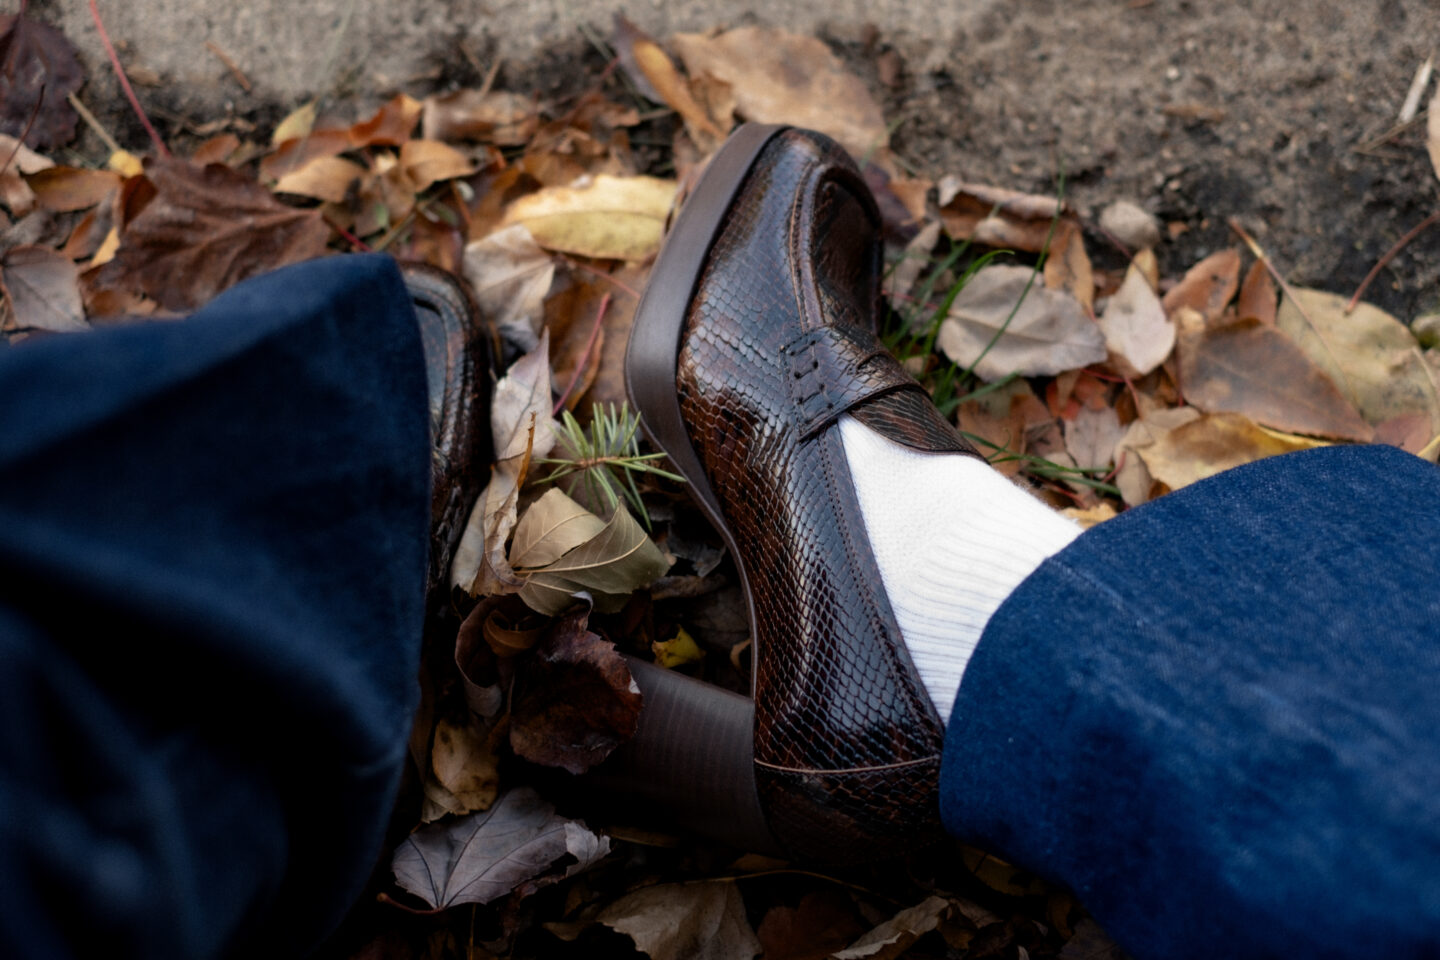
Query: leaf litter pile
x: 1099, y: 383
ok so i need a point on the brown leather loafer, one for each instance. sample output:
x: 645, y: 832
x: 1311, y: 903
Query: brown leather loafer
x: 459, y: 367
x: 757, y: 333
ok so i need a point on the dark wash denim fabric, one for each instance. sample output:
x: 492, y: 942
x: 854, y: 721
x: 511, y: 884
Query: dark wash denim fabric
x: 213, y: 546
x: 1217, y: 717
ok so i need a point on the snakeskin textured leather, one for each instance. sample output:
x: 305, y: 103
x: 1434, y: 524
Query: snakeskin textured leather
x: 779, y: 341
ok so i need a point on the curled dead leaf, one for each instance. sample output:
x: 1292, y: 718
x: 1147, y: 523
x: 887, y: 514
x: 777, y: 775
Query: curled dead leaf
x: 997, y: 217
x: 1208, y: 286
x: 609, y: 218
x: 324, y: 178
x: 504, y: 119
x: 1212, y: 444
x: 511, y: 276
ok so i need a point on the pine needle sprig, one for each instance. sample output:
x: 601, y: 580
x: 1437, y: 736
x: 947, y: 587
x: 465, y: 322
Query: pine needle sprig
x: 601, y: 463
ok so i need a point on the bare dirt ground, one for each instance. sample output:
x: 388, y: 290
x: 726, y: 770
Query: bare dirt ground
x: 1272, y: 111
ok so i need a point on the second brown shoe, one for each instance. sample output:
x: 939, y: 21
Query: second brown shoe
x: 756, y: 334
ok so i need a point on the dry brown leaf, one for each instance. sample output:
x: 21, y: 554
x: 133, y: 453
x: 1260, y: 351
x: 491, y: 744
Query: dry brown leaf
x: 551, y: 527
x: 207, y: 229
x: 37, y: 64
x: 576, y: 699
x: 997, y: 217
x: 612, y: 564
x: 1068, y: 265
x: 781, y: 77
x: 685, y: 921
x: 1048, y: 333
x: 605, y: 217
x: 1137, y: 333
x: 297, y: 123
x: 1253, y: 368
x: 1091, y: 437
x: 295, y: 153
x: 511, y: 276
x: 820, y: 924
x: 1208, y: 286
x: 1089, y: 517
x: 1257, y: 295
x: 644, y: 58
x: 571, y: 314
x: 66, y: 189
x: 895, y: 936
x: 427, y: 162
x: 391, y: 125
x: 324, y: 178
x: 504, y: 119
x: 218, y: 149
x: 1212, y: 444
x: 522, y: 428
x: 16, y: 194
x: 465, y: 767
x: 1131, y: 475
x: 900, y: 280
x: 43, y: 290
x: 1372, y: 357
x: 609, y: 384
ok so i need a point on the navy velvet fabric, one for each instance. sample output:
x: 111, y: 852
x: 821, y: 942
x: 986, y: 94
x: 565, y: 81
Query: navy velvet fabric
x: 213, y: 543
x: 1217, y: 717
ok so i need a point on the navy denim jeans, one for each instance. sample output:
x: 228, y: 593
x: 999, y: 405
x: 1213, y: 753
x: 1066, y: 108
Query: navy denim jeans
x: 1215, y: 717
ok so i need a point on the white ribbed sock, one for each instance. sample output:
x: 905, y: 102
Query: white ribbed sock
x: 953, y: 538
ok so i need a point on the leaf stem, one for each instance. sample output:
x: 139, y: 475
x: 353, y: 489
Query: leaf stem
x: 1389, y: 255
x: 584, y: 360
x: 160, y: 147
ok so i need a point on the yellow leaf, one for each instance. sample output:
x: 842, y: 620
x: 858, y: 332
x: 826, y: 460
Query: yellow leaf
x: 126, y: 164
x: 551, y: 527
x: 679, y: 649
x: 108, y: 247
x: 609, y: 218
x: 1089, y: 517
x: 300, y: 122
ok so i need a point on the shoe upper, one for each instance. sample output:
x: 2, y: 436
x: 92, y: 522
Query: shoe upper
x: 778, y: 343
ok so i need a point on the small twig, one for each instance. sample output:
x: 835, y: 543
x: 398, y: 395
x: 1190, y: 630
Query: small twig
x: 160, y: 147
x: 385, y: 898
x: 1368, y: 147
x: 1389, y: 255
x: 94, y: 124
x: 230, y: 65
x: 584, y: 357
x: 489, y: 80
x: 20, y: 141
x: 1417, y: 90
x: 355, y: 242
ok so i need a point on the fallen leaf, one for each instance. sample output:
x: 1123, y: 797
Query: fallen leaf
x: 1212, y: 444
x: 677, y: 651
x: 1089, y: 517
x: 391, y: 125
x: 1138, y: 335
x: 1253, y: 368
x: 66, y: 189
x: 644, y: 59
x: 1091, y: 437
x: 685, y: 921
x: 1410, y: 432
x: 1372, y: 357
x: 504, y: 119
x: 298, y: 152
x: 551, y: 527
x: 25, y: 160
x: 997, y: 217
x: 895, y: 936
x: 485, y: 856
x: 782, y: 77
x: 605, y: 217
x: 218, y: 149
x: 1207, y: 287
x: 466, y: 768
x: 1257, y: 295
x: 37, y: 65
x: 427, y: 162
x: 900, y: 279
x: 125, y: 163
x: 16, y: 194
x: 1068, y: 266
x: 297, y: 123
x: 813, y: 929
x: 522, y: 428
x: 43, y: 290
x: 324, y: 178
x: 609, y: 384
x: 207, y: 229
x: 615, y: 562
x: 511, y: 276
x: 576, y: 700
x: 1047, y: 332
x: 1090, y: 942
x: 1131, y: 475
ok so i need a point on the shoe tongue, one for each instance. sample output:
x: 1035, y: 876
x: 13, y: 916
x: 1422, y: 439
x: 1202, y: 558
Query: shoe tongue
x: 909, y: 417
